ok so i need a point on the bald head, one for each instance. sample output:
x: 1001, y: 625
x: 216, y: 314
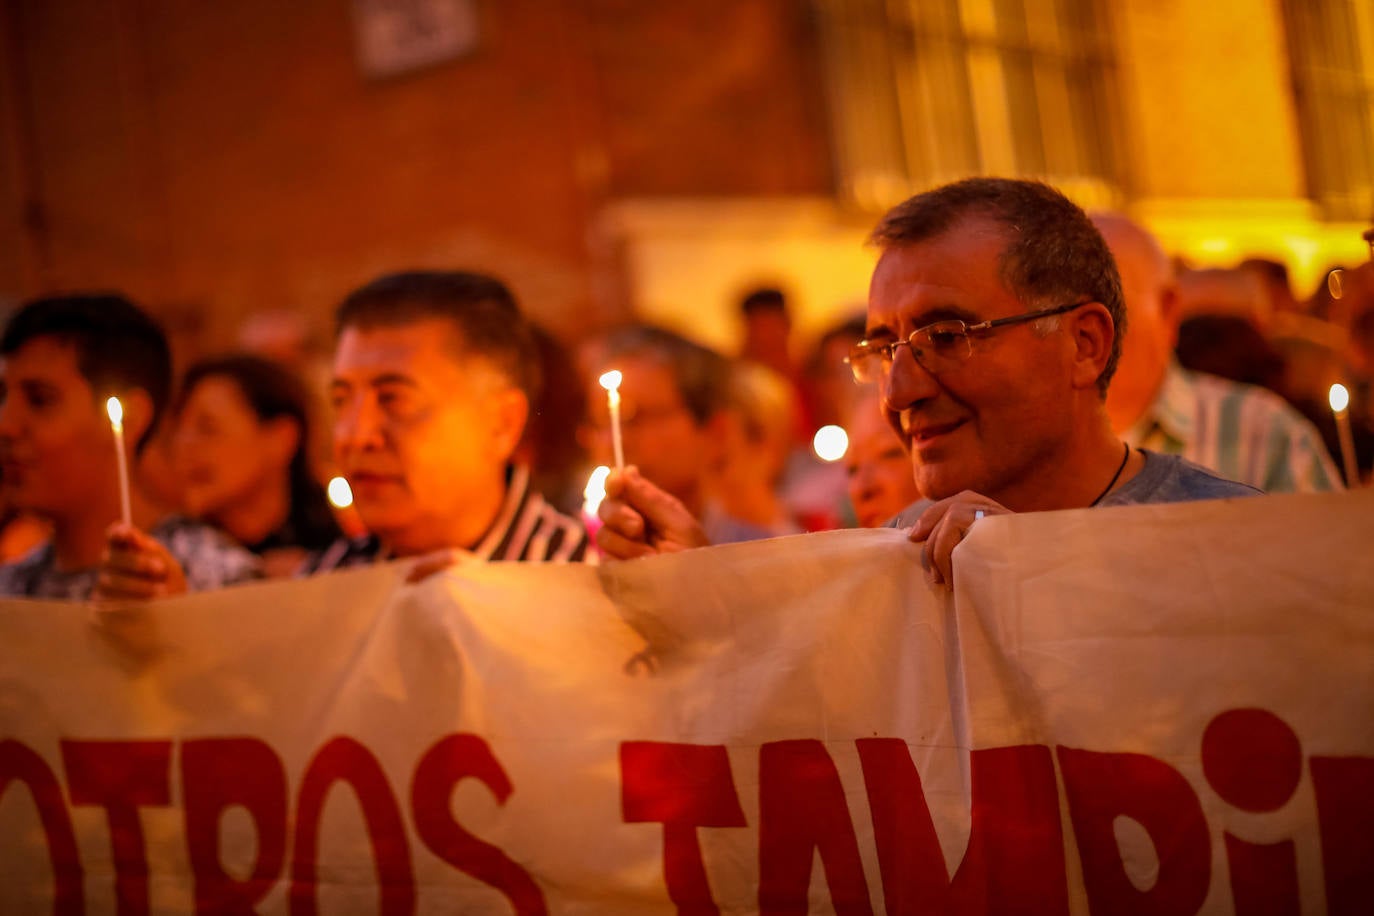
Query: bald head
x: 1151, y: 294
x: 1134, y: 247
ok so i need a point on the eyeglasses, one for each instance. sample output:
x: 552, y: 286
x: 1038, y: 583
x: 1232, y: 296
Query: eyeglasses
x: 937, y: 347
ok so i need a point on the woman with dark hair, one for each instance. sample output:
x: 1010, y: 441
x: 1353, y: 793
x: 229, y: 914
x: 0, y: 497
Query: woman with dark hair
x: 240, y: 447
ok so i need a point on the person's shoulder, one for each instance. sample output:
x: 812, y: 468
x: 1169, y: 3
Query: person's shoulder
x: 345, y: 552
x: 1208, y: 484
x: 17, y: 574
x: 1258, y: 400
x: 1172, y: 479
x: 722, y: 528
x: 209, y: 558
x: 32, y: 558
x: 908, y: 516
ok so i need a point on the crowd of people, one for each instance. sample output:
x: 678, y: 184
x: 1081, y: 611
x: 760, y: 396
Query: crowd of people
x: 1017, y: 355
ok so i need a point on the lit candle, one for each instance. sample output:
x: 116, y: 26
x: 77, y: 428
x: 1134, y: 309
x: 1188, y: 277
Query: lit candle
x: 1340, y: 404
x: 594, y: 493
x: 592, y: 497
x: 611, y: 382
x: 339, y: 492
x: 116, y: 413
x: 830, y: 443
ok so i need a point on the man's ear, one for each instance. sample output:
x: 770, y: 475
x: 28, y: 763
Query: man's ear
x: 1171, y: 311
x: 510, y: 410
x: 1092, y: 333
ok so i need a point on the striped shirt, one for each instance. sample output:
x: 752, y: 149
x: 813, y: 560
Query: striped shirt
x: 526, y: 529
x: 1240, y: 431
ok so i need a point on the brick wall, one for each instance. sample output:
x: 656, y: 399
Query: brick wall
x: 219, y: 158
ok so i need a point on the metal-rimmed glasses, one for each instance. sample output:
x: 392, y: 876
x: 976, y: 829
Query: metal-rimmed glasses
x: 937, y: 347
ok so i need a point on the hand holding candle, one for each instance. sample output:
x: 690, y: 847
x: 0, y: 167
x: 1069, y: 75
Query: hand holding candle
x: 115, y: 410
x: 611, y: 382
x: 1340, y: 404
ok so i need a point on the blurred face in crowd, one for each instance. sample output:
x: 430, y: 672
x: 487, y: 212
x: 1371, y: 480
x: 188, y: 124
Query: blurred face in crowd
x: 223, y: 453
x: 422, y: 432
x: 832, y: 382
x: 661, y: 436
x: 56, y: 448
x: 1151, y: 297
x: 879, y: 469
x: 996, y: 421
x: 766, y: 333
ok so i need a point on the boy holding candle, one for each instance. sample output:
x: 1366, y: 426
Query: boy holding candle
x: 63, y: 357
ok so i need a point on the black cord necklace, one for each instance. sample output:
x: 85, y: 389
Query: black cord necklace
x: 1115, y: 477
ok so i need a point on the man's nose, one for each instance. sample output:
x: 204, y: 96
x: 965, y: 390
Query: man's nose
x: 862, y: 484
x: 907, y: 382
x: 358, y: 425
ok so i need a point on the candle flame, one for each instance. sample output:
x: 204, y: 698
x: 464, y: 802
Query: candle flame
x: 595, y: 491
x: 830, y: 443
x: 340, y: 493
x: 1339, y: 397
x: 611, y: 380
x: 116, y: 413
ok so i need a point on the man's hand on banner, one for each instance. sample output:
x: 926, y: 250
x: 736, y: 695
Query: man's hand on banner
x: 943, y: 526
x: 136, y: 567
x: 640, y: 520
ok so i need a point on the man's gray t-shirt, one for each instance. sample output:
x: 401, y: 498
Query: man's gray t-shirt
x: 1164, y: 479
x: 1171, y: 479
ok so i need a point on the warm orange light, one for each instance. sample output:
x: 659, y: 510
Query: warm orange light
x: 115, y: 411
x: 1339, y: 398
x: 340, y: 493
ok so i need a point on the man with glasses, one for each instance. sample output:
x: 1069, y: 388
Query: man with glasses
x: 994, y: 327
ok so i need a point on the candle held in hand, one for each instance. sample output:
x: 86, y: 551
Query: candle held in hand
x: 115, y: 410
x: 611, y: 382
x: 1339, y: 398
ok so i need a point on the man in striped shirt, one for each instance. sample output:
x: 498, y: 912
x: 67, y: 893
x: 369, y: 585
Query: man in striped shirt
x: 1242, y: 432
x: 434, y: 373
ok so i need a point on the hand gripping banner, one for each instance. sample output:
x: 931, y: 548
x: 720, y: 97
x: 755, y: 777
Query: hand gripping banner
x: 1162, y: 709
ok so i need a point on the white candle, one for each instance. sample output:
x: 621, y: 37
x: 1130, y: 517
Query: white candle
x: 611, y: 382
x: 116, y: 413
x: 1340, y: 404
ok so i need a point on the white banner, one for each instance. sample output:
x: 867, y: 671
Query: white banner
x: 1139, y: 710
